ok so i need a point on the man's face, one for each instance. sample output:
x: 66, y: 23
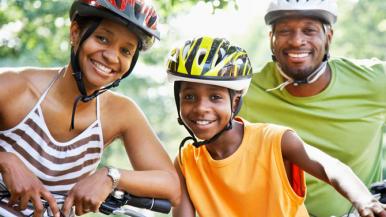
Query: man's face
x: 299, y: 45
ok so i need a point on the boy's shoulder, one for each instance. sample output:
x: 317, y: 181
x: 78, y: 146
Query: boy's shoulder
x: 262, y: 126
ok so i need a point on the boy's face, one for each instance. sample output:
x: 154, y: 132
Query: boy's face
x: 205, y: 109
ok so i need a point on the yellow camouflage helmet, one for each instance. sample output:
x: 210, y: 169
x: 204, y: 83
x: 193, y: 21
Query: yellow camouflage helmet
x: 211, y: 61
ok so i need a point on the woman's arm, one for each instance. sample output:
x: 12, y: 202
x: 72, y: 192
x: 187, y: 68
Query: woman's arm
x: 16, y: 98
x: 332, y: 171
x: 153, y: 174
x: 185, y: 208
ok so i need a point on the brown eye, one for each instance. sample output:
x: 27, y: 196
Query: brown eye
x: 188, y: 97
x: 102, y: 39
x: 215, y: 97
x: 126, y: 51
x: 309, y: 31
x: 283, y: 32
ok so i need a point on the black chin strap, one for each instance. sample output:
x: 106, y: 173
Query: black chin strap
x: 86, y: 98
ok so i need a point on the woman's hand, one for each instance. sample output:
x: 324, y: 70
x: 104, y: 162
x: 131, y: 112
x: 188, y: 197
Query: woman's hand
x: 24, y: 186
x: 88, y: 194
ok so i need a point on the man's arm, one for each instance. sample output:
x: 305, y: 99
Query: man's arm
x: 332, y: 171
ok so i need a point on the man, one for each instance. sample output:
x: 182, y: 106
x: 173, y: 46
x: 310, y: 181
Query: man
x: 336, y: 105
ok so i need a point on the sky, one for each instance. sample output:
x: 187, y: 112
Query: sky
x: 227, y: 22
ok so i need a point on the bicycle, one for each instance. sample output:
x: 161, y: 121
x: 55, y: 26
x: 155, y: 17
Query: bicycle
x: 116, y: 201
x: 115, y: 204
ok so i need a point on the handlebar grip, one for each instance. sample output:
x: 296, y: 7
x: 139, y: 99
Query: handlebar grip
x: 154, y: 204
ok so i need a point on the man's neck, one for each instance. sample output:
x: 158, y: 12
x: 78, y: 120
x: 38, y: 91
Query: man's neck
x: 306, y: 90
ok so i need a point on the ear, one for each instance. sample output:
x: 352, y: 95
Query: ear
x: 235, y: 104
x: 330, y: 33
x: 74, y: 34
x: 271, y: 39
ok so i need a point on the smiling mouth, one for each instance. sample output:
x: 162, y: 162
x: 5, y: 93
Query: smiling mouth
x: 202, y: 122
x: 101, y: 68
x: 298, y: 55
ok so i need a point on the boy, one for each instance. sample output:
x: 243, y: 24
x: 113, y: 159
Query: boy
x: 240, y: 168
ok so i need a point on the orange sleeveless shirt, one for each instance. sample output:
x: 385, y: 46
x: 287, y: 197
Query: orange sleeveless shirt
x: 250, y: 182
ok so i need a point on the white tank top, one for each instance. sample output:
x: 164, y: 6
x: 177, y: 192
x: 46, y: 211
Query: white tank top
x: 59, y: 165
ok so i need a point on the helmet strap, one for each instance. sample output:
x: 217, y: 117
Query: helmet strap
x: 86, y: 98
x: 77, y: 73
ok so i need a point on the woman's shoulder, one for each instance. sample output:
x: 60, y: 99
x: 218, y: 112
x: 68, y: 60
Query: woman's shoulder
x: 121, y: 114
x: 22, y: 78
x: 115, y: 100
x: 115, y: 105
x: 24, y: 81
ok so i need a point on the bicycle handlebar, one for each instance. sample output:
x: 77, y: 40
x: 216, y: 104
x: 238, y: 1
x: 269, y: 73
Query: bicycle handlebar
x: 379, y: 188
x: 117, y: 199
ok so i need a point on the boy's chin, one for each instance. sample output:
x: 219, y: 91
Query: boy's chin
x: 203, y: 138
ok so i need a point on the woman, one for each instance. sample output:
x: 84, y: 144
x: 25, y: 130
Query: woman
x: 40, y: 157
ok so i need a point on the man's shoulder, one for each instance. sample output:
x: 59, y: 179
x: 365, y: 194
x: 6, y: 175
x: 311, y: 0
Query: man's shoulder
x: 265, y: 76
x: 267, y: 67
x: 372, y: 64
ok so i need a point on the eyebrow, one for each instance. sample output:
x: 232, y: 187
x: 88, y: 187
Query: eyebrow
x: 131, y: 45
x: 213, y: 88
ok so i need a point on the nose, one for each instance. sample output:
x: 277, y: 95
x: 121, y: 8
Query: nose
x: 297, y: 39
x: 201, y: 106
x: 110, y: 55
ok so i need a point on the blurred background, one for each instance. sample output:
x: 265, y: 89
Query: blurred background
x: 35, y: 33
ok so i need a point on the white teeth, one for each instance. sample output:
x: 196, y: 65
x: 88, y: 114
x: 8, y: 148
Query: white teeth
x: 203, y: 122
x: 298, y: 55
x: 102, y: 68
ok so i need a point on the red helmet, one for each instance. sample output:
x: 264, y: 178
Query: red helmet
x: 138, y: 15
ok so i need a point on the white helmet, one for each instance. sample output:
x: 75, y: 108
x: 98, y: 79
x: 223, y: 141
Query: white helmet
x: 325, y: 10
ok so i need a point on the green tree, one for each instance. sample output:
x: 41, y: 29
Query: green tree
x: 361, y: 29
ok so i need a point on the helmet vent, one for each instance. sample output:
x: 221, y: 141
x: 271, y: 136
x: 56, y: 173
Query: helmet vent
x: 152, y: 21
x: 201, y: 56
x: 185, y: 51
x: 137, y: 10
x: 239, y: 61
x: 220, y: 56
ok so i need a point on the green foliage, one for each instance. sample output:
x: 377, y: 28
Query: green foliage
x: 172, y: 7
x: 43, y: 33
x: 361, y: 29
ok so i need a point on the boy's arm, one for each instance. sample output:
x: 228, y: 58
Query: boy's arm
x: 332, y: 171
x: 185, y: 208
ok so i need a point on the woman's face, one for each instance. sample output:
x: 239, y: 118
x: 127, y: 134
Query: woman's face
x: 106, y: 54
